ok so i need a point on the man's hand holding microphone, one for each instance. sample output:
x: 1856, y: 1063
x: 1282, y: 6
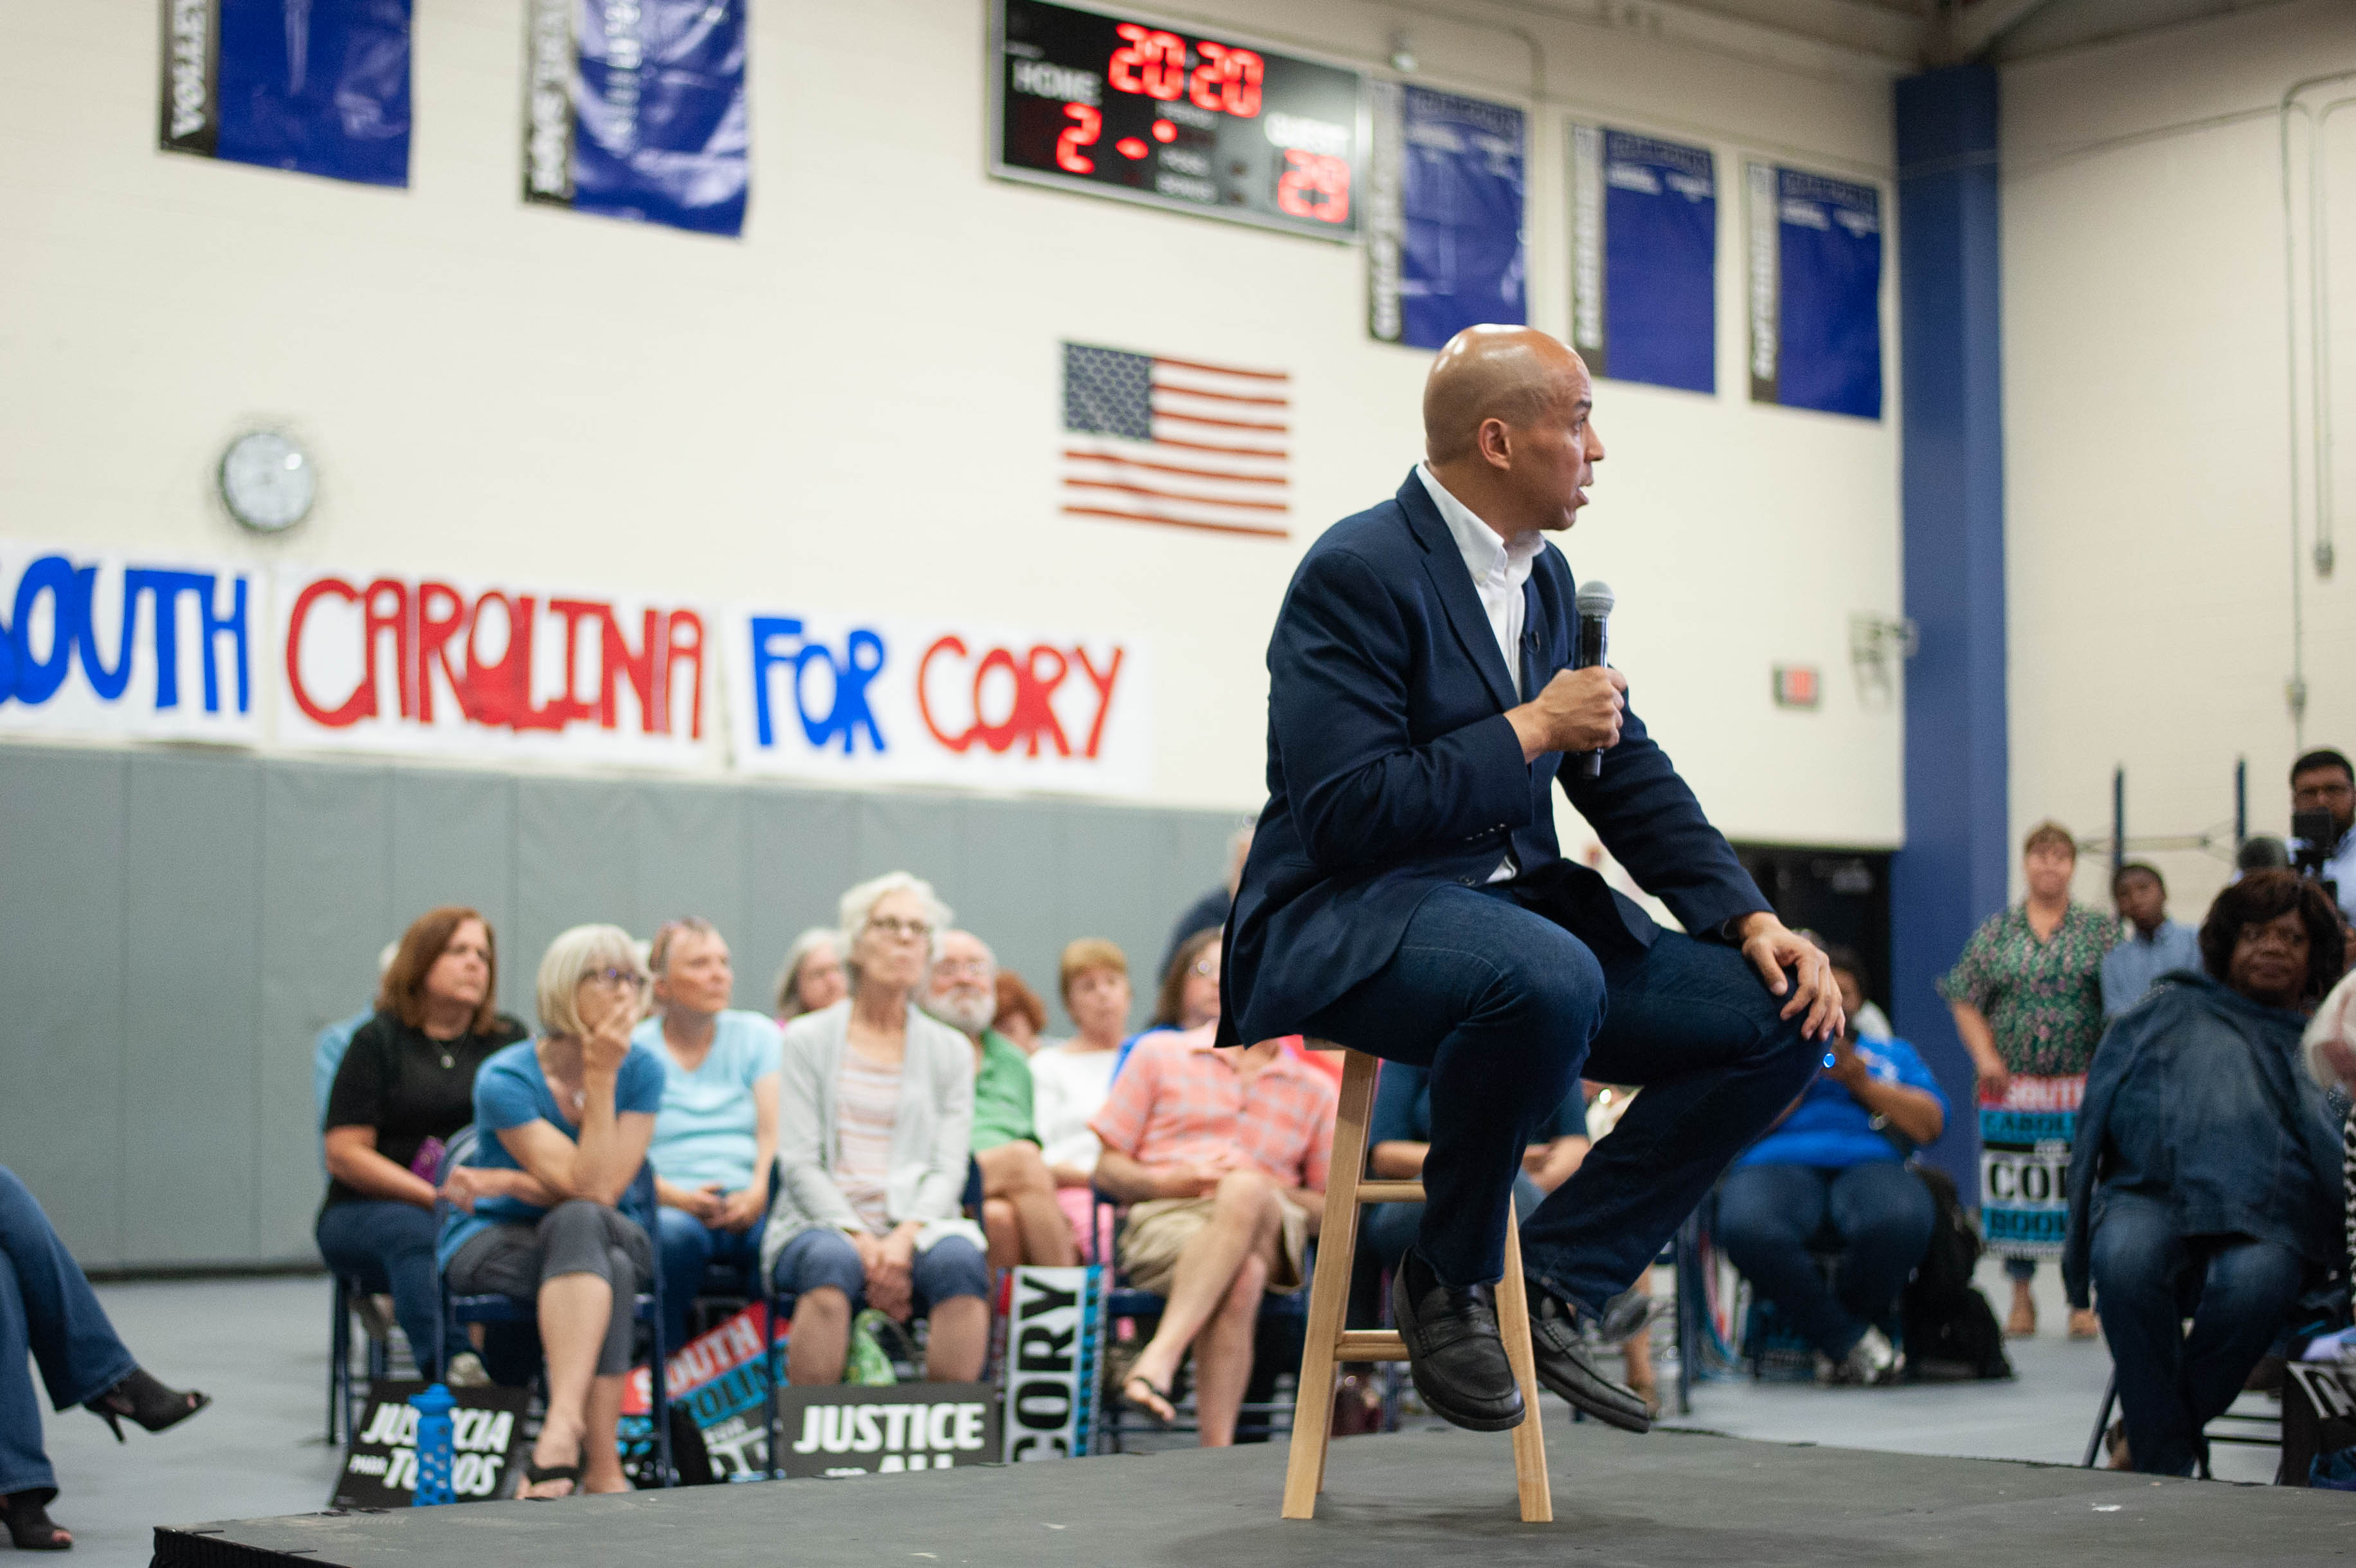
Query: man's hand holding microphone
x: 1579, y: 710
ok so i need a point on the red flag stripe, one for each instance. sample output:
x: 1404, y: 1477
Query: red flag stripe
x: 1173, y: 468
x: 1222, y: 370
x: 1176, y: 522
x: 1224, y: 424
x: 1177, y: 496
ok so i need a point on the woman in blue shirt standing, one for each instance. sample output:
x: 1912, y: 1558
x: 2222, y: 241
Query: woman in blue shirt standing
x: 564, y: 1122
x: 716, y: 1135
x: 1829, y: 1172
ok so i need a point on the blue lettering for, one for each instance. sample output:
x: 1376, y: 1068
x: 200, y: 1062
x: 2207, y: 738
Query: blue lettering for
x: 775, y: 640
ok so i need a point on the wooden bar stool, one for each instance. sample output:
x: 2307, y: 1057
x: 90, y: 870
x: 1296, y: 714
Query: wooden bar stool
x: 1329, y: 1344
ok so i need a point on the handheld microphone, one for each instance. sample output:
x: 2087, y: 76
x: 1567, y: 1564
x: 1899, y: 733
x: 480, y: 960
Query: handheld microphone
x: 1594, y: 602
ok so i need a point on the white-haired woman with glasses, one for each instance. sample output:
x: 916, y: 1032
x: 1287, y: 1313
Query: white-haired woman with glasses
x: 874, y: 1121
x: 811, y: 979
x: 564, y: 1122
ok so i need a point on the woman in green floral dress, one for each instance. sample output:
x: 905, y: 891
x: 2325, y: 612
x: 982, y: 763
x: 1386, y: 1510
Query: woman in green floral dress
x: 2028, y: 1000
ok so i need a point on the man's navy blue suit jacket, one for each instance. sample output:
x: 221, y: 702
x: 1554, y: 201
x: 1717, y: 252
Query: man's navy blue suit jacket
x: 1393, y: 771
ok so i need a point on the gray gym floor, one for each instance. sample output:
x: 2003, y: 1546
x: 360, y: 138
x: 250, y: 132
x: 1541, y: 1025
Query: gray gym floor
x: 259, y: 1347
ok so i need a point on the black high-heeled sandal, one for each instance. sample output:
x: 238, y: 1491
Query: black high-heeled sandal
x: 146, y: 1402
x: 30, y: 1528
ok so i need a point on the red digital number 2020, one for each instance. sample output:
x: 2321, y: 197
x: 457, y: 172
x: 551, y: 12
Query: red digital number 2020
x: 1151, y: 62
x: 1314, y: 186
x: 1081, y: 133
x: 1227, y: 78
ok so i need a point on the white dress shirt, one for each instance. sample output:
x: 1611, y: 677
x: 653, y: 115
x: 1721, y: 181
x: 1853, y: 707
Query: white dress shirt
x: 1499, y: 567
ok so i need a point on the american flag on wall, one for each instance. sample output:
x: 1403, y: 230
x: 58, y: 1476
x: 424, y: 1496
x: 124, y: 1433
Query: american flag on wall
x: 1176, y: 441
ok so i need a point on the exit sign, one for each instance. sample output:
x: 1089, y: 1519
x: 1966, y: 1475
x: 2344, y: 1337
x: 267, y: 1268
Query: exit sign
x: 1797, y: 686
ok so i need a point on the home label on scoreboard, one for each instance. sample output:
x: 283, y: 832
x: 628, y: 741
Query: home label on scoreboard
x: 1166, y: 115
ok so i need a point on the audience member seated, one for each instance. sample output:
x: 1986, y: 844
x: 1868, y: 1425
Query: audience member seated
x: 1209, y: 912
x: 1069, y: 1079
x: 2154, y: 945
x: 329, y: 1046
x: 1189, y: 997
x: 1827, y: 1173
x: 2205, y: 1179
x: 405, y: 1084
x: 1022, y: 1016
x: 875, y: 1128
x: 1019, y: 1213
x: 50, y: 1315
x: 1222, y: 1156
x: 811, y: 980
x: 563, y: 1123
x: 716, y: 1135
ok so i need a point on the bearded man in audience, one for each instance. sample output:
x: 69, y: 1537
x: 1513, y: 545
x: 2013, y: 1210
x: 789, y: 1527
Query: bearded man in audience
x: 1019, y: 1212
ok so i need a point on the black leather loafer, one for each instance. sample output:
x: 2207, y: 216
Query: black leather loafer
x: 1564, y: 1365
x: 1453, y: 1352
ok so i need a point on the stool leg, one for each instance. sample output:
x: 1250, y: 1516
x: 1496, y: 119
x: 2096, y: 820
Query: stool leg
x: 1514, y: 1325
x: 1329, y: 1291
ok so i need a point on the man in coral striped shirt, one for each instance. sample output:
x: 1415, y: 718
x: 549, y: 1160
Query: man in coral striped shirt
x: 1221, y: 1155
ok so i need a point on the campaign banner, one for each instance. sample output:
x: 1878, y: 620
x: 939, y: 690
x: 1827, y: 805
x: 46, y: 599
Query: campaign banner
x: 843, y: 1429
x: 2025, y: 1164
x: 1444, y: 245
x: 851, y: 698
x: 487, y: 1444
x: 1643, y: 258
x: 636, y: 109
x: 719, y: 1380
x: 460, y: 666
x: 1053, y: 1325
x: 315, y: 86
x: 1815, y: 246
x: 126, y: 644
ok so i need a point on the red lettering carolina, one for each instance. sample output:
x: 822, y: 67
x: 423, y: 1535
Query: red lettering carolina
x: 619, y: 662
x: 392, y: 595
x: 434, y: 631
x: 361, y: 703
x: 677, y: 649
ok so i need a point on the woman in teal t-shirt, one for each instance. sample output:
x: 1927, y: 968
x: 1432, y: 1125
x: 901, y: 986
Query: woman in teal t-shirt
x: 563, y: 1125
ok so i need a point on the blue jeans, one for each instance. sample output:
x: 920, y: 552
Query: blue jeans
x: 822, y: 1256
x: 1879, y: 1213
x: 388, y: 1247
x: 1389, y: 1228
x: 47, y: 1310
x: 2147, y: 1278
x: 1509, y: 1010
x: 684, y: 1248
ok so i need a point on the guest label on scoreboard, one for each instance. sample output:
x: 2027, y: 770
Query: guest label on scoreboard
x: 1163, y: 114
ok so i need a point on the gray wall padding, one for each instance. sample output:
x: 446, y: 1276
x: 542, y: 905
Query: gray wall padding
x: 175, y: 926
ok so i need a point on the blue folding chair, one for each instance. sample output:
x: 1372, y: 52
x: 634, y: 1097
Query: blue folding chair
x: 1290, y: 1313
x: 638, y: 1203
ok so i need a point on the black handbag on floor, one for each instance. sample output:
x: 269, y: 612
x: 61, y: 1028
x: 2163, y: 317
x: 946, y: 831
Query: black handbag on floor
x: 1951, y: 1333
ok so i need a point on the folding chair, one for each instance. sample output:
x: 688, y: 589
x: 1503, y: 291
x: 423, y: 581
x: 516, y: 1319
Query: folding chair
x: 1143, y: 1307
x: 343, y: 1396
x: 2255, y: 1429
x: 1329, y: 1343
x: 638, y: 1203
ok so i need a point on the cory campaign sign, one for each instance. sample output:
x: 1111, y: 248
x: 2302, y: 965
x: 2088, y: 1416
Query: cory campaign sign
x: 392, y: 664
x: 847, y: 698
x: 117, y: 643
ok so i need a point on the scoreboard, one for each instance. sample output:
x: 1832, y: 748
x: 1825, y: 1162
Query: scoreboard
x: 1168, y: 116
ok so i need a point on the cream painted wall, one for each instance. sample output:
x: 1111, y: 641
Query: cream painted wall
x: 857, y: 403
x: 2149, y: 545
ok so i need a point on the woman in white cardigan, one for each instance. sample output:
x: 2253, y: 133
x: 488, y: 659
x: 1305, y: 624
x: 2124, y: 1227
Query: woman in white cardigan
x: 874, y: 1118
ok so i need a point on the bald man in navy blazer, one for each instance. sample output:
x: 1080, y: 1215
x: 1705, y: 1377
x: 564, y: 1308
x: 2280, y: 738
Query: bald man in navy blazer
x: 1405, y: 895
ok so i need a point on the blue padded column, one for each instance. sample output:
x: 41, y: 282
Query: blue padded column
x: 1952, y: 873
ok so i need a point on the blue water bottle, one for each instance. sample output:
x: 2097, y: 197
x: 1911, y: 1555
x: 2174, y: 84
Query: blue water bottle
x: 435, y: 1445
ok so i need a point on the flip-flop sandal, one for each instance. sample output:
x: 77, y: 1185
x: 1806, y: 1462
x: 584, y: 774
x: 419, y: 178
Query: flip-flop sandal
x: 533, y: 1475
x: 1147, y: 1408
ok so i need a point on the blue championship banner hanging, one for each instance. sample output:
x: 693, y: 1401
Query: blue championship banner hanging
x: 636, y: 109
x: 316, y: 86
x: 1643, y: 258
x: 1815, y: 291
x: 1444, y: 243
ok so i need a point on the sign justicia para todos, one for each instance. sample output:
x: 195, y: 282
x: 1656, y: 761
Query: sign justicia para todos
x: 381, y: 1468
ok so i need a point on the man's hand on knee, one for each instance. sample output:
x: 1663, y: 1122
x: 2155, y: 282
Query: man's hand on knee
x: 1773, y: 947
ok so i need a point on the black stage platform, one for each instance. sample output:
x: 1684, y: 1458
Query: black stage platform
x: 1671, y: 1499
